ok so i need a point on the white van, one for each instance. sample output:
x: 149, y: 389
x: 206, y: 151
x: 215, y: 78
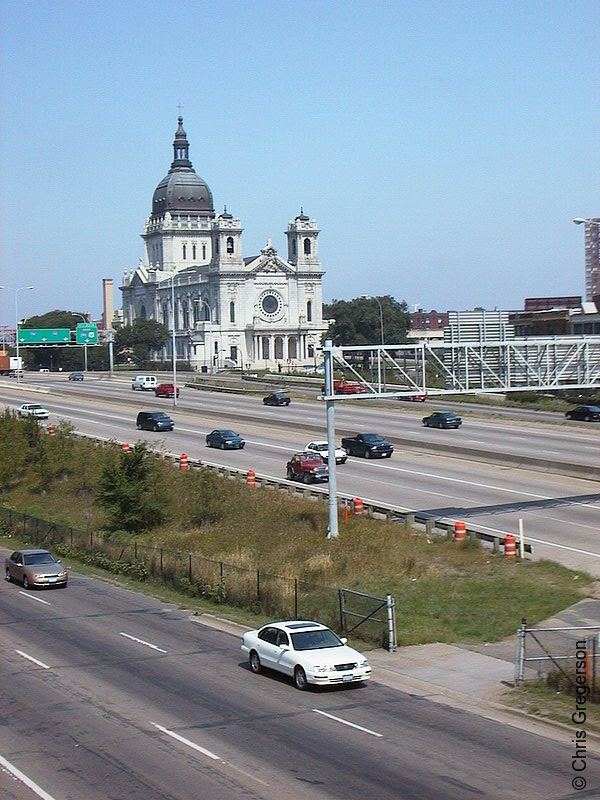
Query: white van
x: 146, y: 383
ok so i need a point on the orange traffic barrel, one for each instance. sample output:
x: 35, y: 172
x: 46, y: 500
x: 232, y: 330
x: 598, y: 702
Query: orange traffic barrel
x: 358, y: 505
x: 460, y: 531
x: 125, y: 447
x: 251, y: 478
x: 51, y: 430
x: 510, y: 546
x: 183, y: 462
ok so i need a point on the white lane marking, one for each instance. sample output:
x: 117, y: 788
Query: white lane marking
x: 350, y: 724
x: 24, y: 779
x: 31, y: 658
x: 141, y: 641
x: 541, y: 541
x: 186, y: 741
x: 37, y: 599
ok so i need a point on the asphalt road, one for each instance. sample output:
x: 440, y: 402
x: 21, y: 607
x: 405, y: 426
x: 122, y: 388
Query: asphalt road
x: 109, y: 694
x: 560, y: 514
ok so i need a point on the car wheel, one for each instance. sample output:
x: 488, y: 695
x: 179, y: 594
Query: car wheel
x: 8, y: 578
x: 306, y: 478
x: 139, y: 427
x: 155, y: 428
x: 290, y: 475
x: 255, y: 664
x: 25, y: 582
x: 222, y: 445
x: 367, y: 454
x: 587, y: 418
x: 300, y: 678
x: 388, y: 455
x: 343, y: 461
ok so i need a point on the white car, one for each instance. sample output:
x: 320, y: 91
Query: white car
x: 306, y: 651
x: 321, y: 447
x: 33, y: 410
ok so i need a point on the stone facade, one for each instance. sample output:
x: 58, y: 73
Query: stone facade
x: 261, y: 311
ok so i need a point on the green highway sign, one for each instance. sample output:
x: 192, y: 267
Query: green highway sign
x: 87, y: 333
x: 44, y: 335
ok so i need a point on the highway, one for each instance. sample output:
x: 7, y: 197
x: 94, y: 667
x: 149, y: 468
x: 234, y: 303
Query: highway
x: 560, y: 513
x: 110, y: 694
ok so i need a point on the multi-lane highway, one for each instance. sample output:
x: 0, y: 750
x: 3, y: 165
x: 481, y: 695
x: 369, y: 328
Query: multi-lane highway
x: 489, y: 488
x: 108, y: 694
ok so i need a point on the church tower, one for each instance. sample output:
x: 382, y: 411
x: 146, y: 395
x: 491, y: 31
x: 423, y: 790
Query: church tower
x: 303, y: 251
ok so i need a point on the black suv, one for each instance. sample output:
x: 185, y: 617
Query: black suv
x: 277, y: 399
x: 154, y: 421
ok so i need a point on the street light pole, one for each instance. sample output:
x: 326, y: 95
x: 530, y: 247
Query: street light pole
x: 210, y: 363
x: 77, y: 314
x: 173, y: 340
x: 16, y: 291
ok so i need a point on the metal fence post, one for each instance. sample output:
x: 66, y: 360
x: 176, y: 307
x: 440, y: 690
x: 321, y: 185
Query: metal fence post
x: 190, y: 567
x: 391, y: 623
x: 295, y: 598
x: 520, y: 654
x: 161, y: 563
x: 342, y: 611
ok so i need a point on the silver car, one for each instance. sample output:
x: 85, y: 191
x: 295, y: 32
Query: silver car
x: 35, y: 568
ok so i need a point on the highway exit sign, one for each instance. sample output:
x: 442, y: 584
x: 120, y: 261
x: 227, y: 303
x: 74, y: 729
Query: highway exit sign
x: 87, y: 333
x: 44, y: 336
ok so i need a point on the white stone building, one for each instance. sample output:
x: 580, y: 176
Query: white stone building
x: 262, y: 311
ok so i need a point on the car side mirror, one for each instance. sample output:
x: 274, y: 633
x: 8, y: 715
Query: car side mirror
x: 343, y: 640
x: 284, y: 647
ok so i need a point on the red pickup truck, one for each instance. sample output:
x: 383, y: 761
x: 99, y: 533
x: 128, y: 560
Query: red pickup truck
x: 346, y: 387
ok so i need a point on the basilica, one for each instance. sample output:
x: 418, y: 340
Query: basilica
x: 226, y: 310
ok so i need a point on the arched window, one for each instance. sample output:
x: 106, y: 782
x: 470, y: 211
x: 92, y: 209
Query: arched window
x: 194, y: 252
x: 307, y: 247
x: 143, y: 312
x: 311, y: 350
x: 232, y: 311
x: 203, y: 252
x: 309, y: 311
x: 229, y: 245
x: 184, y: 251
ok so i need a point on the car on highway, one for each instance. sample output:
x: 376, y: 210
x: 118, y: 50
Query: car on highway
x: 165, y: 390
x: 420, y: 397
x: 307, y: 467
x: 277, y: 399
x: 442, y: 419
x: 32, y: 410
x: 368, y: 445
x: 154, y: 421
x: 585, y: 413
x: 34, y: 567
x: 308, y: 652
x: 76, y: 376
x: 225, y: 439
x: 322, y: 448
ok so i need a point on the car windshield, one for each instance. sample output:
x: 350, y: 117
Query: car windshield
x: 226, y: 434
x: 316, y: 640
x: 39, y: 558
x: 161, y: 415
x: 319, y: 446
x: 595, y: 409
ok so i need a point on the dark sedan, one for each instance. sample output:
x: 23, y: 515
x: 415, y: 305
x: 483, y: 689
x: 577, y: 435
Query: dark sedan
x: 585, y: 413
x: 35, y: 568
x: 76, y: 376
x: 225, y: 440
x: 442, y: 419
x: 277, y: 399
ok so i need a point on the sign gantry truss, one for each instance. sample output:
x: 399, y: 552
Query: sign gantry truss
x: 469, y: 367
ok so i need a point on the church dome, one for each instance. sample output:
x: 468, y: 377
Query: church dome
x: 181, y: 190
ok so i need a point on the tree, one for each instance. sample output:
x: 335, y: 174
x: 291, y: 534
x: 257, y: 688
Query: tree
x: 358, y: 321
x: 141, y: 338
x: 128, y: 493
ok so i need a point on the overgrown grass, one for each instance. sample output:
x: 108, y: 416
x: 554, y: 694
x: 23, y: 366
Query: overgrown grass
x: 443, y: 591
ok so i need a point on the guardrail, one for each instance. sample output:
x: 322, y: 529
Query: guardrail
x: 372, y: 508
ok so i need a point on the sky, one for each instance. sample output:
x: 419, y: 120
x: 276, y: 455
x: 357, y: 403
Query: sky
x: 443, y: 147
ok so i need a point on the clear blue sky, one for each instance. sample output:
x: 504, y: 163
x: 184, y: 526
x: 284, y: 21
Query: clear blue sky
x: 443, y: 147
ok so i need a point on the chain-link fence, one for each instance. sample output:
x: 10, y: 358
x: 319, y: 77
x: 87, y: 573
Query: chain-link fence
x: 192, y: 574
x: 558, y: 655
